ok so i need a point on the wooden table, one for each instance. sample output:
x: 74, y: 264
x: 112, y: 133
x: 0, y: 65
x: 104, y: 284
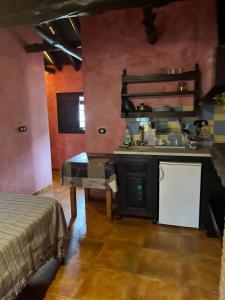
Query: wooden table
x: 90, y: 171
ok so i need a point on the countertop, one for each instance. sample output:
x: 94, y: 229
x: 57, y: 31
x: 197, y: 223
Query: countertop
x: 148, y: 150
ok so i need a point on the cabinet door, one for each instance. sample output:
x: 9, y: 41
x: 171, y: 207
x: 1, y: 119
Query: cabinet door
x: 135, y: 180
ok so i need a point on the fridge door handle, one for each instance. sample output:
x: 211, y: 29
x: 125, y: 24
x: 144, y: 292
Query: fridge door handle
x: 161, y: 173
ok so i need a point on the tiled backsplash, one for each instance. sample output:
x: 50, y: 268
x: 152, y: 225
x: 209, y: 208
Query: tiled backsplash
x: 214, y: 114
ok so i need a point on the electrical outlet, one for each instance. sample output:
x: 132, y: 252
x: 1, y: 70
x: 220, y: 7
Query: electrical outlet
x: 22, y: 128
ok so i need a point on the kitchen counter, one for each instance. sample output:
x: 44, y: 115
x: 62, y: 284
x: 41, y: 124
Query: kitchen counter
x: 175, y: 151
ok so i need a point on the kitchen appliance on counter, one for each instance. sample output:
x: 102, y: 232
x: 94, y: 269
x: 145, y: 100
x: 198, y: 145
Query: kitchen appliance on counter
x: 179, y: 193
x: 175, y: 139
x: 203, y: 134
x: 127, y: 106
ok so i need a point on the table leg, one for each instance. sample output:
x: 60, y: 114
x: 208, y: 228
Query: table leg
x: 86, y: 194
x: 109, y: 204
x: 73, y: 202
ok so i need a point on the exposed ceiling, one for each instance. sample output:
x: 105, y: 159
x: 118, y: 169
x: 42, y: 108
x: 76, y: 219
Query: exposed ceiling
x: 57, y: 22
x: 34, y: 12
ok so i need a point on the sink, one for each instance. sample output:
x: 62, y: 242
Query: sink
x: 149, y: 147
x: 170, y: 147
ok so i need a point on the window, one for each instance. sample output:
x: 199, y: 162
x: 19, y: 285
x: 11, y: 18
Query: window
x: 81, y: 113
x: 71, y: 116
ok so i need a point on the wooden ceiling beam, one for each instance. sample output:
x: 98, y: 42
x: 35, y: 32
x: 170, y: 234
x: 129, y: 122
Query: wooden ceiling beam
x: 30, y: 48
x: 61, y: 36
x: 33, y: 12
x: 40, y: 47
x: 75, y: 27
x: 54, y: 42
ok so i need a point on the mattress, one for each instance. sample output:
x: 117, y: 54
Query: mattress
x: 32, y: 230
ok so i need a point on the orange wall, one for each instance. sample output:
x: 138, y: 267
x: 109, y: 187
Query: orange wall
x: 63, y: 146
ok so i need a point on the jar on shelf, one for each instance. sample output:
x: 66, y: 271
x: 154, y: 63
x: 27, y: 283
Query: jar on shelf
x: 182, y: 86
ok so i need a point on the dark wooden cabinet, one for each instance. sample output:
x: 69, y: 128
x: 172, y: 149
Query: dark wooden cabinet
x: 138, y: 183
x: 137, y: 187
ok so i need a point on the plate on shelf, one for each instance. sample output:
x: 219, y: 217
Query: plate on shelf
x: 162, y: 108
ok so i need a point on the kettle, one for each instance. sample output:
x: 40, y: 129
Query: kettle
x: 127, y: 106
x: 198, y: 126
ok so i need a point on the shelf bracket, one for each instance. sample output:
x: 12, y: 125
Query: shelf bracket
x: 149, y: 23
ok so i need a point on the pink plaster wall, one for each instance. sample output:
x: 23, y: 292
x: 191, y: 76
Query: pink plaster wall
x: 63, y: 146
x: 25, y: 157
x: 116, y: 40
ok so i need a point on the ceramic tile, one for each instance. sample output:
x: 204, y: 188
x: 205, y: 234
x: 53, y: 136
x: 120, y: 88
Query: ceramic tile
x: 164, y: 241
x: 198, y: 293
x: 194, y: 246
x: 128, y: 235
x: 50, y: 296
x: 99, y: 231
x: 119, y: 257
x: 206, y: 112
x: 219, y: 127
x: 219, y: 138
x: 134, y: 223
x: 69, y: 279
x: 159, y: 264
x: 105, y: 285
x: 193, y: 232
x: 146, y: 288
x: 188, y: 108
x: 201, y: 271
x: 163, y: 228
x: 219, y: 117
x: 87, y: 251
x: 219, y: 109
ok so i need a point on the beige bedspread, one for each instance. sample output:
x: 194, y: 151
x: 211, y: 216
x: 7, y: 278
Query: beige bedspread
x: 32, y: 230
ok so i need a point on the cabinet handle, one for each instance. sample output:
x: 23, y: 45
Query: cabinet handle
x: 161, y: 177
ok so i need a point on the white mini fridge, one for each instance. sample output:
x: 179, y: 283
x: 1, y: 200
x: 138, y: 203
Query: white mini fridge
x: 179, y: 193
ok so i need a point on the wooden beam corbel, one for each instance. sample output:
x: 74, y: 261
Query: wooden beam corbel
x: 149, y: 23
x: 51, y: 58
x: 49, y: 70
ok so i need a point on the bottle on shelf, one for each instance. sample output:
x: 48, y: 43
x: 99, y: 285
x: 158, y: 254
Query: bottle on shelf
x: 127, y: 137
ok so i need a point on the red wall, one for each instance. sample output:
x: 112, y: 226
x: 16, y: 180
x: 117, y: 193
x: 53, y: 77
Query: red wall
x: 116, y: 40
x: 25, y: 157
x: 63, y: 146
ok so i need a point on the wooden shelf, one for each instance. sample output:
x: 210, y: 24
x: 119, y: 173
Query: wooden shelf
x: 160, y: 114
x: 193, y: 75
x: 159, y: 77
x: 159, y: 94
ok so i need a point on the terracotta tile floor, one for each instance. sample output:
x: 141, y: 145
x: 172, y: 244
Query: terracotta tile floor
x: 129, y: 259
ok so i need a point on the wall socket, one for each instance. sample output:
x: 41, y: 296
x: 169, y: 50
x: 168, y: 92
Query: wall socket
x: 22, y: 128
x: 101, y: 130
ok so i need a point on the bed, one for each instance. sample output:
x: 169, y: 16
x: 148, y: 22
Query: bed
x: 32, y: 230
